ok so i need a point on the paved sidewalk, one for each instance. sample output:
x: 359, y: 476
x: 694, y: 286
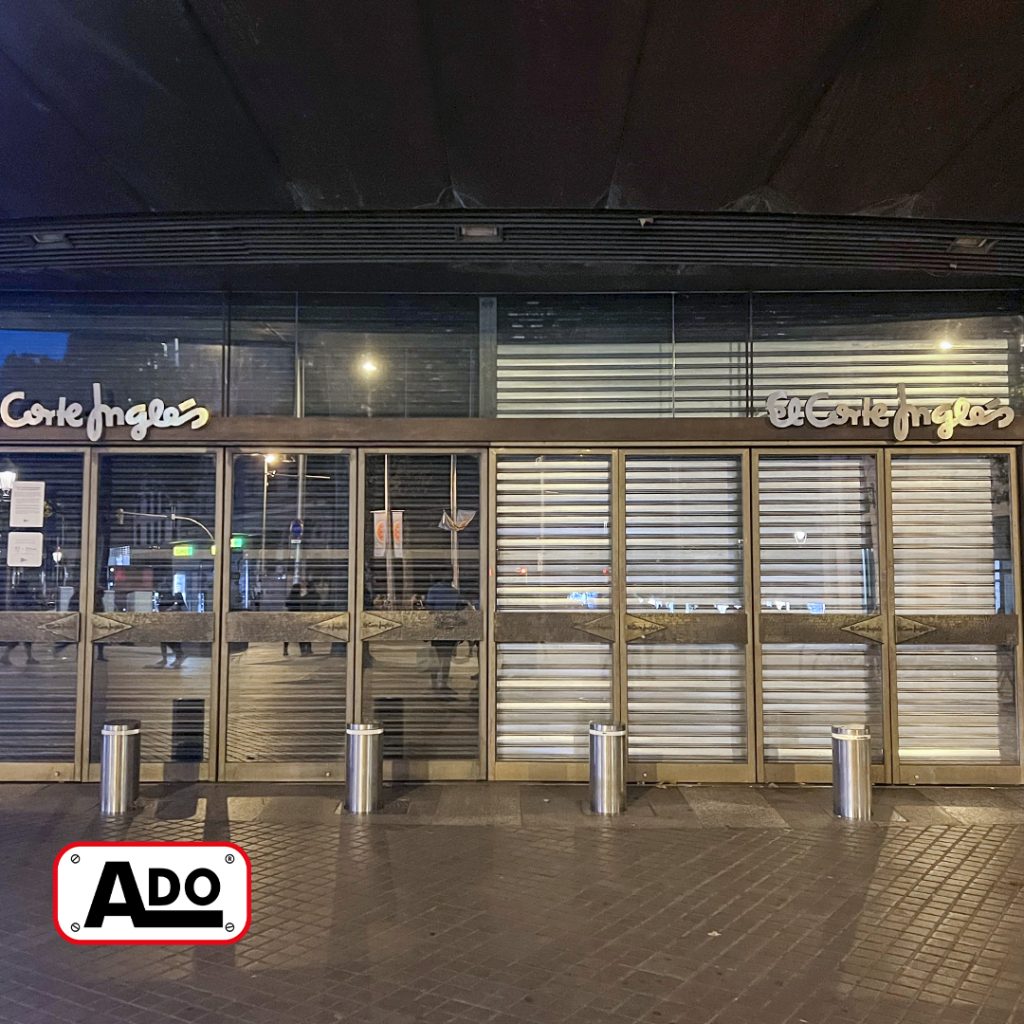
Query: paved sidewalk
x: 501, y: 903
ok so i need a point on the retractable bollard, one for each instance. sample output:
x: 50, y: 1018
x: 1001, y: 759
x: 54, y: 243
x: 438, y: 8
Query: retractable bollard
x: 119, y: 766
x: 607, y: 767
x: 364, y: 766
x: 851, y: 772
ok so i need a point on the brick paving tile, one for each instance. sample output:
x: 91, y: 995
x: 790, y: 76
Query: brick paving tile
x: 702, y: 906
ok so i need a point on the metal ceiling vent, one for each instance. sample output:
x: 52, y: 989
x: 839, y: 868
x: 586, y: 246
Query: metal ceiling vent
x: 479, y: 232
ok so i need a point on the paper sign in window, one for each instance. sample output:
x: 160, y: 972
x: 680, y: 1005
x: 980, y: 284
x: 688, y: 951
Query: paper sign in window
x: 28, y: 499
x: 24, y: 549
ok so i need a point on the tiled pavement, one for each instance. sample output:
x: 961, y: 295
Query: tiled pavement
x: 498, y: 903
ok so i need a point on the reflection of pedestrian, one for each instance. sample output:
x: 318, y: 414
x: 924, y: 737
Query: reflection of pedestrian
x: 443, y: 597
x: 293, y: 603
x: 22, y: 598
x: 310, y: 603
x: 172, y: 647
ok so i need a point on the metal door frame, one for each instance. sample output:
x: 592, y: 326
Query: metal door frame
x: 278, y: 771
x: 954, y: 774
x: 152, y: 771
x: 426, y: 769
x: 821, y: 771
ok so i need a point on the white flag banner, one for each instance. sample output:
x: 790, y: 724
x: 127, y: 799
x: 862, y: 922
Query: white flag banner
x: 380, y: 534
x: 397, y: 526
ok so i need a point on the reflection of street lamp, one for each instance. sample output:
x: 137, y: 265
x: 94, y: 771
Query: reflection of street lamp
x: 368, y: 368
x: 270, y: 460
x: 8, y: 476
x: 172, y: 516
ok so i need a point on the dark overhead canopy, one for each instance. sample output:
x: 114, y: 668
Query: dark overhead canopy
x: 136, y: 129
x: 901, y: 107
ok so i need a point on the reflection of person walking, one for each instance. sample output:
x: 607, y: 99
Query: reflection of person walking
x: 293, y: 603
x: 172, y: 647
x: 23, y: 599
x: 443, y: 597
x: 310, y: 603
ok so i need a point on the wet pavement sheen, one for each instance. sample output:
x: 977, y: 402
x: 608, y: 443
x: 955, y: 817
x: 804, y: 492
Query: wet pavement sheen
x: 501, y: 903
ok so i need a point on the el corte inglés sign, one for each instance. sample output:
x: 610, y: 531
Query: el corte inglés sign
x: 818, y: 411
x: 16, y: 412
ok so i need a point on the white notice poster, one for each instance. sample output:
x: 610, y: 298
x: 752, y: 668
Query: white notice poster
x: 27, y: 502
x: 24, y: 549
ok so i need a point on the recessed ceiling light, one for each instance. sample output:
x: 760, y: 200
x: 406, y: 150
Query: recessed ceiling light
x: 479, y: 232
x: 972, y: 243
x: 51, y: 240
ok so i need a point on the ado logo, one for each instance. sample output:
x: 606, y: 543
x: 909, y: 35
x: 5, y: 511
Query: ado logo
x: 152, y: 892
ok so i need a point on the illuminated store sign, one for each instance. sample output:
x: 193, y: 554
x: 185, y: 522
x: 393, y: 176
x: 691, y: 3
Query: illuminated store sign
x: 16, y: 412
x: 818, y: 411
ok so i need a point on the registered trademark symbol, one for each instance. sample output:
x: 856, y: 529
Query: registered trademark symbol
x: 229, y: 927
x: 229, y: 859
x: 75, y: 858
x: 75, y: 927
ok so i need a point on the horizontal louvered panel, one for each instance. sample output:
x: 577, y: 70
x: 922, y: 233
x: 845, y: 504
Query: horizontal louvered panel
x: 684, y: 533
x: 808, y: 688
x: 687, y: 702
x: 951, y: 534
x: 286, y: 707
x: 37, y: 702
x: 547, y: 694
x: 957, y: 705
x: 425, y: 715
x: 553, y: 538
x: 172, y: 701
x: 817, y: 533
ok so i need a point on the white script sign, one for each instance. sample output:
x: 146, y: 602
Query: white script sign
x: 815, y: 411
x: 16, y: 411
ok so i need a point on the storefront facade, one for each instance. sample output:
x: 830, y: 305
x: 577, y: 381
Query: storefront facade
x: 728, y: 519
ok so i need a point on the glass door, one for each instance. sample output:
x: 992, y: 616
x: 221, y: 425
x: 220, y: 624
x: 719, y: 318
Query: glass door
x: 154, y: 600
x: 685, y: 622
x: 954, y: 552
x: 821, y: 624
x: 555, y: 623
x: 420, y: 625
x: 40, y: 601
x: 287, y: 627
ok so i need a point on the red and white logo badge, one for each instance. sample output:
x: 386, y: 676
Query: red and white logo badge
x: 152, y: 892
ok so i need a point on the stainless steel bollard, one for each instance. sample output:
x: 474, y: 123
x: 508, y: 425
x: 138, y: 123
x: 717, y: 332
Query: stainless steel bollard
x: 119, y: 766
x: 364, y: 766
x: 607, y: 767
x: 851, y: 772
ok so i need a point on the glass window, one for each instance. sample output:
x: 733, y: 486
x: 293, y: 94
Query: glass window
x: 262, y: 355
x: 289, y: 532
x: 137, y: 347
x: 390, y: 355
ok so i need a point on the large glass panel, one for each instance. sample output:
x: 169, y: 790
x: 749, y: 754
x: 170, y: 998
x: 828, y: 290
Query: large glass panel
x: 553, y: 556
x: 951, y: 534
x: 155, y: 554
x: 289, y: 529
x: 941, y: 346
x: 687, y: 702
x: 390, y: 355
x: 547, y: 695
x: 423, y: 575
x: 808, y: 688
x: 684, y: 556
x: 554, y: 542
x: 584, y: 355
x: 819, y: 534
x: 953, y: 566
x: 136, y: 347
x: 289, y: 553
x: 684, y: 534
x: 38, y: 679
x: 819, y: 541
x: 263, y: 354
